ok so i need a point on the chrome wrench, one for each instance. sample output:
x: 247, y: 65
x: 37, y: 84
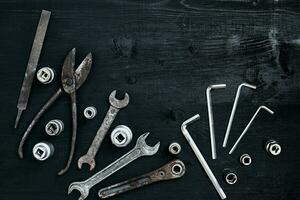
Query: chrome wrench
x: 140, y: 149
x: 115, y: 106
x: 172, y: 170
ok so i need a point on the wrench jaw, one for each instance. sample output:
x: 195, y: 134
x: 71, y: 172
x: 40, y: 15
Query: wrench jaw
x: 86, y: 159
x: 116, y: 102
x: 146, y: 149
x: 84, y: 191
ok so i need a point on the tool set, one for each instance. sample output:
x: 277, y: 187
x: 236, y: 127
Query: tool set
x: 71, y: 80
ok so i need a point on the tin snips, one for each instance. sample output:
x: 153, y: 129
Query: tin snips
x: 71, y: 81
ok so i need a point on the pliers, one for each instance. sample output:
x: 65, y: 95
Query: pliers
x: 71, y: 81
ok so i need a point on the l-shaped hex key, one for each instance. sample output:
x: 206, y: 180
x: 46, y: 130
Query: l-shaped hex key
x: 200, y: 157
x: 247, y: 127
x: 211, y: 118
x: 234, y: 109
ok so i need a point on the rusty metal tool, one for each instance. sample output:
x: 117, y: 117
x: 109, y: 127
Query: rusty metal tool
x: 71, y: 81
x: 140, y: 149
x: 199, y: 155
x: 32, y: 63
x: 172, y: 170
x: 237, y: 96
x: 211, y: 118
x: 248, y: 125
x: 115, y: 106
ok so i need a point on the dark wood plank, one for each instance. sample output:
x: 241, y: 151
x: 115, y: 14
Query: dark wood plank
x: 165, y: 54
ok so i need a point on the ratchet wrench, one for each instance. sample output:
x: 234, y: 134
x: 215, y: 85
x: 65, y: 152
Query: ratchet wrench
x: 172, y: 170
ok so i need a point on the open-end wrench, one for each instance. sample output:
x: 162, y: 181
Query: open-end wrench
x: 140, y: 149
x: 172, y: 170
x: 115, y: 106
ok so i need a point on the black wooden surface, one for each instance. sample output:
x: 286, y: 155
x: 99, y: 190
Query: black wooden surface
x: 164, y: 54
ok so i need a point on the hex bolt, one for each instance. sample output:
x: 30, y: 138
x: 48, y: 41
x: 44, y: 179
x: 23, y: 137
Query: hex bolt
x: 42, y: 151
x: 45, y: 75
x: 90, y: 112
x: 54, y: 127
x: 230, y: 177
x: 273, y: 147
x: 121, y: 136
x: 245, y: 159
x: 174, y: 148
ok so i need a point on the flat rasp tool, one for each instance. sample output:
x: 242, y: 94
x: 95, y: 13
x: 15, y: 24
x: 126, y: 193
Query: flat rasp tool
x: 32, y: 63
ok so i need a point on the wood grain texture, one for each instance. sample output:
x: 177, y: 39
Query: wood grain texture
x: 164, y: 54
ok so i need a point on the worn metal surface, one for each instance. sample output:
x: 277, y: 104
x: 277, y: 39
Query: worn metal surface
x: 211, y: 118
x: 32, y: 63
x: 163, y: 173
x: 248, y: 125
x: 115, y: 106
x: 199, y: 155
x: 140, y: 149
x: 69, y: 85
x: 81, y: 74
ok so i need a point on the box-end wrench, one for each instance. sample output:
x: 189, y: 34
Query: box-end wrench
x: 199, y: 155
x: 115, y: 106
x: 172, y: 170
x: 140, y: 149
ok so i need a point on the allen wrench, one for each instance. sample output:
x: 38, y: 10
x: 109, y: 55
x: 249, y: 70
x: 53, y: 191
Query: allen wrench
x: 234, y: 109
x: 248, y: 125
x: 211, y: 118
x: 200, y: 157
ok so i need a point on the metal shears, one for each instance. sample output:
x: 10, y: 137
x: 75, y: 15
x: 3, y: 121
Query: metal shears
x: 71, y: 81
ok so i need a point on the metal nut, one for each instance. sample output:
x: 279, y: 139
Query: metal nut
x: 54, y: 127
x: 174, y: 148
x: 245, y: 159
x: 121, y: 136
x: 90, y: 112
x: 273, y: 147
x: 231, y: 178
x: 45, y: 75
x: 42, y: 151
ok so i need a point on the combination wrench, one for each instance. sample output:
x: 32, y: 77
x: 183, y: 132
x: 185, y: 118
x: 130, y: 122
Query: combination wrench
x: 140, y: 149
x: 172, y: 170
x: 115, y: 106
